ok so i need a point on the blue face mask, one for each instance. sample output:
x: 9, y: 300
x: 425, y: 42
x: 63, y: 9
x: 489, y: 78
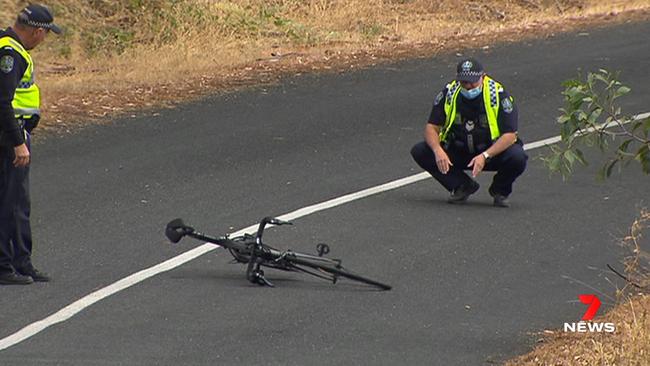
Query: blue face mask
x: 472, y: 93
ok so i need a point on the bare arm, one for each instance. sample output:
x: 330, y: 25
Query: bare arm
x: 432, y: 137
x: 500, y: 145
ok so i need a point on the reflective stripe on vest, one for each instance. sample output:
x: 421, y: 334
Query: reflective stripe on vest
x: 491, y: 89
x: 27, y: 99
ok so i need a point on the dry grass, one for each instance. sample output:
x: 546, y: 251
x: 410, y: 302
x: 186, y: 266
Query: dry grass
x: 637, y: 264
x: 630, y: 344
x: 118, y: 56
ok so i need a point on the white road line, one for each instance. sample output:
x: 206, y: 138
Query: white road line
x: 556, y: 139
x: 79, y: 305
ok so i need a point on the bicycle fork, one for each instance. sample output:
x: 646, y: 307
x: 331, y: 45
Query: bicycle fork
x: 254, y: 273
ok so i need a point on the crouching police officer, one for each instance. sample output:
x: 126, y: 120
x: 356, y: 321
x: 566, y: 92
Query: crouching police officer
x: 473, y: 126
x: 19, y: 114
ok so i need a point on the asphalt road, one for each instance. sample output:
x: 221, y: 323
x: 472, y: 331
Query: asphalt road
x: 471, y: 284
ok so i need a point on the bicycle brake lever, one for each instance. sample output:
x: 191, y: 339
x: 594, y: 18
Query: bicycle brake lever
x: 280, y: 222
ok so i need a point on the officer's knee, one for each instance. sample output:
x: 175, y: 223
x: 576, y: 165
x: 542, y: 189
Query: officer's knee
x: 517, y: 160
x: 421, y: 151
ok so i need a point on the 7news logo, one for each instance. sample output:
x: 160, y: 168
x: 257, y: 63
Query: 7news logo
x: 586, y: 325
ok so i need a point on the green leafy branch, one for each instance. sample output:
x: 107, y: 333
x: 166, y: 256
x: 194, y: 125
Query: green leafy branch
x: 591, y: 118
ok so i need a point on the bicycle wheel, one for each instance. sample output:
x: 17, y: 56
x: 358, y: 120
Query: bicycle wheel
x: 336, y: 272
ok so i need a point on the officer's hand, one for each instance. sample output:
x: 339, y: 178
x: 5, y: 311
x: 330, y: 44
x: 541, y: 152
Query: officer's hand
x: 442, y: 160
x: 478, y: 163
x: 22, y: 156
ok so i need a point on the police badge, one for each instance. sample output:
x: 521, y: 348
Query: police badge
x: 507, y: 105
x: 6, y: 63
x: 438, y: 98
x: 469, y: 125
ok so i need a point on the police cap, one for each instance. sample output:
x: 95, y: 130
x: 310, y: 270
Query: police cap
x: 469, y: 70
x: 39, y: 16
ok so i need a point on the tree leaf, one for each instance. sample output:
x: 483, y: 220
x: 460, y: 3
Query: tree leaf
x: 610, y: 168
x: 643, y: 157
x: 621, y: 91
x: 642, y: 152
x: 602, y: 76
x: 563, y: 118
x: 593, y: 116
x: 625, y: 145
x: 587, y: 102
x: 581, y: 157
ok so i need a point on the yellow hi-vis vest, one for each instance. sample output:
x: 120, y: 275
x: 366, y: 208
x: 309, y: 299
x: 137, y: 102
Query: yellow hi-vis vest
x: 27, y: 98
x: 491, y: 90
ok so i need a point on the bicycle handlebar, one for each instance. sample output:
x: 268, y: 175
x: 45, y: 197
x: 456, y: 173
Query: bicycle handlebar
x: 176, y: 230
x: 264, y: 222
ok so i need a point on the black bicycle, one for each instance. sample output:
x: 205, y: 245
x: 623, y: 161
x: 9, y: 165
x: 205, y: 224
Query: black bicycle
x: 251, y: 250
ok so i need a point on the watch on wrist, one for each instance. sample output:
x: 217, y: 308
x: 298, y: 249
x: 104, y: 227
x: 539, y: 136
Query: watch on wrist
x: 486, y: 155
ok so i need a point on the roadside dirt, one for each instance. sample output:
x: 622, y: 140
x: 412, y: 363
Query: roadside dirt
x: 67, y: 113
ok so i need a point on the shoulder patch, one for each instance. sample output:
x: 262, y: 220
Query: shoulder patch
x: 6, y: 63
x: 438, y: 98
x: 506, y: 103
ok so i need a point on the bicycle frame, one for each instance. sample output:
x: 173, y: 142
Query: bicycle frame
x: 251, y: 250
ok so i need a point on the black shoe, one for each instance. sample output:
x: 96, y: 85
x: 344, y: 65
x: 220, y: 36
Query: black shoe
x: 35, y: 274
x: 460, y: 194
x: 499, y: 199
x: 13, y: 278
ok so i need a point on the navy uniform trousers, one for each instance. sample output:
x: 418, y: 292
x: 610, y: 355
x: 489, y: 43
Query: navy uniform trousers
x: 509, y: 165
x: 15, y: 231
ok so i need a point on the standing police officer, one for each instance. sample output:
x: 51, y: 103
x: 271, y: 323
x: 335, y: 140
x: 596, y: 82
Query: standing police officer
x: 473, y: 125
x: 19, y: 114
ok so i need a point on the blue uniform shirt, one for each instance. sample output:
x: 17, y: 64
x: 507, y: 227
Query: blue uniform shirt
x: 474, y: 121
x: 12, y: 69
